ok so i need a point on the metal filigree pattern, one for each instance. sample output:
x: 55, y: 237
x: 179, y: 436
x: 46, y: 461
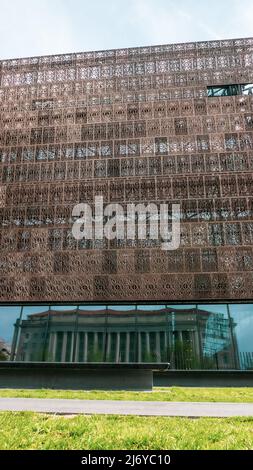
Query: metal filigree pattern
x: 133, y: 125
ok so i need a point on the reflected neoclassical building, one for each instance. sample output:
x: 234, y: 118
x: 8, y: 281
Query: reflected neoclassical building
x: 190, y: 337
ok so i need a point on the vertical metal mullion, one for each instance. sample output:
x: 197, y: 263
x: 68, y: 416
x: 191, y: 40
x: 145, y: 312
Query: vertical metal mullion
x: 106, y: 334
x: 199, y: 338
x: 167, y: 333
x: 235, y: 350
x: 136, y: 334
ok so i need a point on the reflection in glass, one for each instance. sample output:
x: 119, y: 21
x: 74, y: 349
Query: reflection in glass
x: 8, y: 317
x: 230, y: 90
x: 218, y: 336
x: 210, y: 336
x: 30, y: 340
x: 242, y: 318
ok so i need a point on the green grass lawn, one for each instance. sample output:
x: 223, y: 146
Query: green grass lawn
x: 42, y: 432
x: 235, y: 395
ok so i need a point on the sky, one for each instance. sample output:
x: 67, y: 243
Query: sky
x: 42, y: 27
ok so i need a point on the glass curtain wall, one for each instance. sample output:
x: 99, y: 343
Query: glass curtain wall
x: 188, y: 337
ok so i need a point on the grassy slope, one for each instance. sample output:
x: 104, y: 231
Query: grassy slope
x: 31, y: 431
x: 235, y: 395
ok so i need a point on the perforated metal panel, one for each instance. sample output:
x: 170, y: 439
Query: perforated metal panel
x: 133, y: 125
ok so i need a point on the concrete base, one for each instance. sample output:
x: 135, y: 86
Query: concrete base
x: 136, y: 377
x: 200, y: 378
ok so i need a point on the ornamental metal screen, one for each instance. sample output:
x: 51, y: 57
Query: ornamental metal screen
x: 156, y: 124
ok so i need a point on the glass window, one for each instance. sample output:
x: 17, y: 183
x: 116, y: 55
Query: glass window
x: 152, y: 334
x: 218, y: 348
x: 121, y: 334
x: 9, y: 317
x: 230, y: 90
x: 247, y: 89
x: 203, y: 336
x: 28, y: 342
x: 242, y: 319
x: 183, y: 337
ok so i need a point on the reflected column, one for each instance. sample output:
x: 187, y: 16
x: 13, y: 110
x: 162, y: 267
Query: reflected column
x: 85, y: 347
x: 77, y: 347
x: 158, y: 346
x: 52, y: 347
x: 127, y: 356
x: 75, y: 341
x: 117, y: 358
x: 139, y: 347
x: 108, y: 349
x: 45, y: 350
x: 64, y: 347
x: 147, y: 352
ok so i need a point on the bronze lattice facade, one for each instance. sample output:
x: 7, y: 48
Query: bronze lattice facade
x: 154, y: 124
